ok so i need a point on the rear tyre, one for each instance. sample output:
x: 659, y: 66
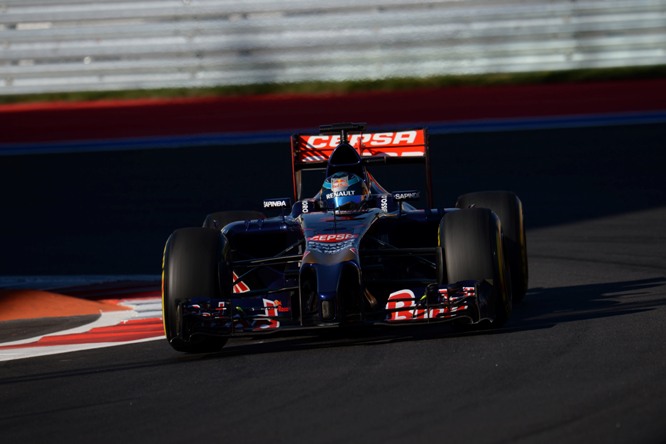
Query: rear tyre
x: 472, y: 248
x: 190, y: 269
x: 509, y: 209
x: 219, y: 219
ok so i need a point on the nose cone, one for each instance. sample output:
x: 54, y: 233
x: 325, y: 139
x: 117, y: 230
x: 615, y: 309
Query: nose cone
x: 336, y: 286
x: 347, y: 254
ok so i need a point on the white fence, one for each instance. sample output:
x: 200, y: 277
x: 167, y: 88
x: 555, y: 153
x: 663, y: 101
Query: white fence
x: 79, y: 45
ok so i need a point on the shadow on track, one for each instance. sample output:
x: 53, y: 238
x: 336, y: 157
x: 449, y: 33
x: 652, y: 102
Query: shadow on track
x: 547, y: 307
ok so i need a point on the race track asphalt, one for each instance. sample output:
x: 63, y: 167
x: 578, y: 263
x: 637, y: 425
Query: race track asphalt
x: 582, y: 359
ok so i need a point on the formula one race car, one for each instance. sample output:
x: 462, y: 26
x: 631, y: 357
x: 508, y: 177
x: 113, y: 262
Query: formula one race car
x: 352, y: 254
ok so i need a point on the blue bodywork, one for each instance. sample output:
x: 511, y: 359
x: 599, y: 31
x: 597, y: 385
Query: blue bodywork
x: 313, y: 266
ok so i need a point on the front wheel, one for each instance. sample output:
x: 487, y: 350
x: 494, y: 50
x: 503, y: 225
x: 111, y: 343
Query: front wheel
x: 190, y: 269
x: 472, y: 244
x: 509, y: 209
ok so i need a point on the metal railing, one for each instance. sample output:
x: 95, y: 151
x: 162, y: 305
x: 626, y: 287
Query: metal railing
x: 83, y: 45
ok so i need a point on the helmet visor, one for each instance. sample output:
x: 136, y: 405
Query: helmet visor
x: 348, y: 203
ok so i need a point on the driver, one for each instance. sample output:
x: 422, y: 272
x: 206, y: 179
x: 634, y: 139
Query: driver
x: 344, y: 191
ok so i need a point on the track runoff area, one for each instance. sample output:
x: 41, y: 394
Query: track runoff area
x: 43, y: 316
x: 76, y: 313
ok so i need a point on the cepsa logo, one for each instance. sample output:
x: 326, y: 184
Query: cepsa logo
x: 331, y: 238
x: 369, y: 140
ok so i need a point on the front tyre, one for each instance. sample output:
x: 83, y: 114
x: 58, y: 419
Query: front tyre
x: 472, y: 244
x: 190, y: 269
x: 509, y: 209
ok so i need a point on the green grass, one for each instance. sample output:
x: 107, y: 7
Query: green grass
x: 550, y: 77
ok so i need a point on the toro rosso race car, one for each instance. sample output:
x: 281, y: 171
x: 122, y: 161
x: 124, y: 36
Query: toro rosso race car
x: 354, y: 253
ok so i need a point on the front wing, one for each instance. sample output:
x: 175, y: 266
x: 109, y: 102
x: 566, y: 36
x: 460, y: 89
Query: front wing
x: 466, y: 300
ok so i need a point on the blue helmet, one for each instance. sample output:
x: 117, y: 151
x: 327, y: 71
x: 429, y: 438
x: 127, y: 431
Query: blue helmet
x: 344, y: 191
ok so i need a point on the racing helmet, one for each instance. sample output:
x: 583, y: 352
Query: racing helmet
x: 344, y: 191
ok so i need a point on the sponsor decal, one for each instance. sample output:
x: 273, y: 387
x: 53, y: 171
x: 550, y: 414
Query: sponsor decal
x: 406, y: 195
x: 402, y: 306
x: 276, y: 203
x: 340, y: 194
x: 331, y: 243
x: 370, y: 140
x: 339, y: 184
x: 280, y: 308
x: 332, y: 238
x: 318, y: 148
x: 383, y: 203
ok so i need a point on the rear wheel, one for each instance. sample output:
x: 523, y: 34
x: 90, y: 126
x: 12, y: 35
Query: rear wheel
x: 190, y: 269
x: 219, y: 219
x: 509, y: 209
x: 472, y: 245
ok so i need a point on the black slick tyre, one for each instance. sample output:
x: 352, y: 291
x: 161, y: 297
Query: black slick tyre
x: 509, y: 209
x: 190, y: 269
x: 472, y: 248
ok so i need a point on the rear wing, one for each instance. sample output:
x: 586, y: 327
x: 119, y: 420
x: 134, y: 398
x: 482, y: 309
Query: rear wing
x: 312, y: 151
